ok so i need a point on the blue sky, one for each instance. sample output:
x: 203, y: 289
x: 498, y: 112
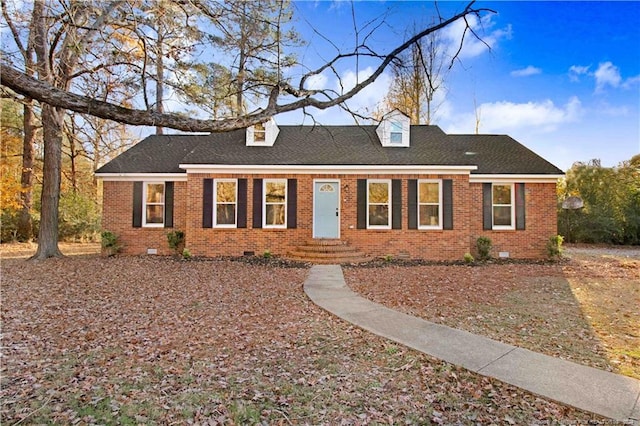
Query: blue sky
x: 563, y: 78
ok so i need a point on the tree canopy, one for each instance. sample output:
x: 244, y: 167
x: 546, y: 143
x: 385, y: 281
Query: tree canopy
x: 106, y: 60
x: 611, y: 198
x: 278, y: 94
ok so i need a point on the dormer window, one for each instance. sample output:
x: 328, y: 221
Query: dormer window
x: 262, y: 134
x: 393, y: 130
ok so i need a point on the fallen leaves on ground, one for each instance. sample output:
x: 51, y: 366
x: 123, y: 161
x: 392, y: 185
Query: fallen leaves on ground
x: 151, y: 340
x: 584, y: 309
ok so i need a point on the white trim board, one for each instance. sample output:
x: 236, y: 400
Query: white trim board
x: 486, y: 178
x: 147, y: 177
x: 330, y: 169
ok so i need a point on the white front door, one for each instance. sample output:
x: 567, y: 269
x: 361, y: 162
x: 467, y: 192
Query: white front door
x: 326, y: 209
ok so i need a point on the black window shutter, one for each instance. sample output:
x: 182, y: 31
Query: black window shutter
x: 447, y: 204
x: 520, y: 207
x: 487, y: 207
x: 362, y: 203
x: 257, y: 203
x: 412, y: 195
x: 137, y: 204
x: 168, y: 204
x: 396, y: 204
x: 292, y: 203
x: 242, y: 204
x: 207, y: 203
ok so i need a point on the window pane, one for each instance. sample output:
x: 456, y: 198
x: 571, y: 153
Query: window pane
x: 155, y: 214
x: 259, y: 132
x: 275, y: 192
x: 502, y: 215
x: 429, y: 215
x: 155, y: 193
x: 226, y: 214
x: 379, y: 215
x: 378, y: 192
x: 274, y: 214
x: 395, y: 134
x: 226, y: 192
x: 429, y: 193
x: 501, y: 194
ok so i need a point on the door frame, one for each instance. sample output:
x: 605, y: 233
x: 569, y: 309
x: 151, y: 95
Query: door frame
x: 313, y: 212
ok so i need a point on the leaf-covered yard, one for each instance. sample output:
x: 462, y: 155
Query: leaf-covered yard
x: 584, y: 309
x: 131, y: 340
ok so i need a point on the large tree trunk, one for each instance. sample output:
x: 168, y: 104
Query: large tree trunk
x: 25, y: 224
x: 160, y: 78
x: 48, y: 235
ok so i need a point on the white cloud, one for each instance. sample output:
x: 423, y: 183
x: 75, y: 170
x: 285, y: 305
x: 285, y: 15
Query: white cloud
x: 472, y: 46
x: 526, y: 72
x: 509, y: 117
x: 369, y: 97
x: 605, y: 108
x: 631, y: 81
x: 317, y: 82
x: 607, y: 74
x: 364, y: 102
x: 575, y: 71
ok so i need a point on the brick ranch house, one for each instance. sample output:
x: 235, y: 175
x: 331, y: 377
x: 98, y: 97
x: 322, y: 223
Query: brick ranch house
x: 391, y: 189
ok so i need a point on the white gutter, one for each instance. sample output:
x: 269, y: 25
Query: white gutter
x: 147, y: 177
x: 326, y: 169
x: 485, y: 178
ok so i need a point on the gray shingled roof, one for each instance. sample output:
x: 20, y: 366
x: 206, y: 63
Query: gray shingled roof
x: 332, y: 145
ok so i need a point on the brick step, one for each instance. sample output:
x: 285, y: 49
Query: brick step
x: 332, y: 260
x: 324, y: 255
x: 324, y: 242
x: 325, y: 249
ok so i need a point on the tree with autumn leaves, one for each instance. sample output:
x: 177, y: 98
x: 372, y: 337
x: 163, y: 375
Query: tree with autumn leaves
x: 611, y: 203
x: 60, y: 45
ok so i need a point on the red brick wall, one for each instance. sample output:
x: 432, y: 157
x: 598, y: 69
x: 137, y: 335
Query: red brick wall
x: 117, y: 217
x: 541, y: 223
x: 420, y: 244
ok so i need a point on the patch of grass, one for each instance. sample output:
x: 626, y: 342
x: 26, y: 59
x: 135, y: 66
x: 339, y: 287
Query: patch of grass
x: 391, y: 349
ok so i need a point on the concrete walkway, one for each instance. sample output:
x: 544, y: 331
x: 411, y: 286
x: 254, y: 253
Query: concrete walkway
x: 590, y: 389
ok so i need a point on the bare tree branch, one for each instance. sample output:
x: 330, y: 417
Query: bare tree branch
x: 320, y: 99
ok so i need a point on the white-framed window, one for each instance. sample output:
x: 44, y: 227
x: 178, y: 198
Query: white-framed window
x: 225, y: 203
x: 429, y: 204
x: 153, y: 196
x: 395, y: 133
x: 503, y: 206
x: 259, y: 133
x: 379, y: 203
x: 275, y: 203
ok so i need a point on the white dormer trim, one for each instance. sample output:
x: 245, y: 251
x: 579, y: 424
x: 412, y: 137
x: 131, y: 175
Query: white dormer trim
x: 271, y: 131
x: 390, y: 122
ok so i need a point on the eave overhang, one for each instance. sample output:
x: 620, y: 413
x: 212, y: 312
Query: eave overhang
x: 524, y: 178
x: 327, y: 169
x: 147, y: 177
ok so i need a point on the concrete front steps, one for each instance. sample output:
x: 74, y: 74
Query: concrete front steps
x: 328, y: 252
